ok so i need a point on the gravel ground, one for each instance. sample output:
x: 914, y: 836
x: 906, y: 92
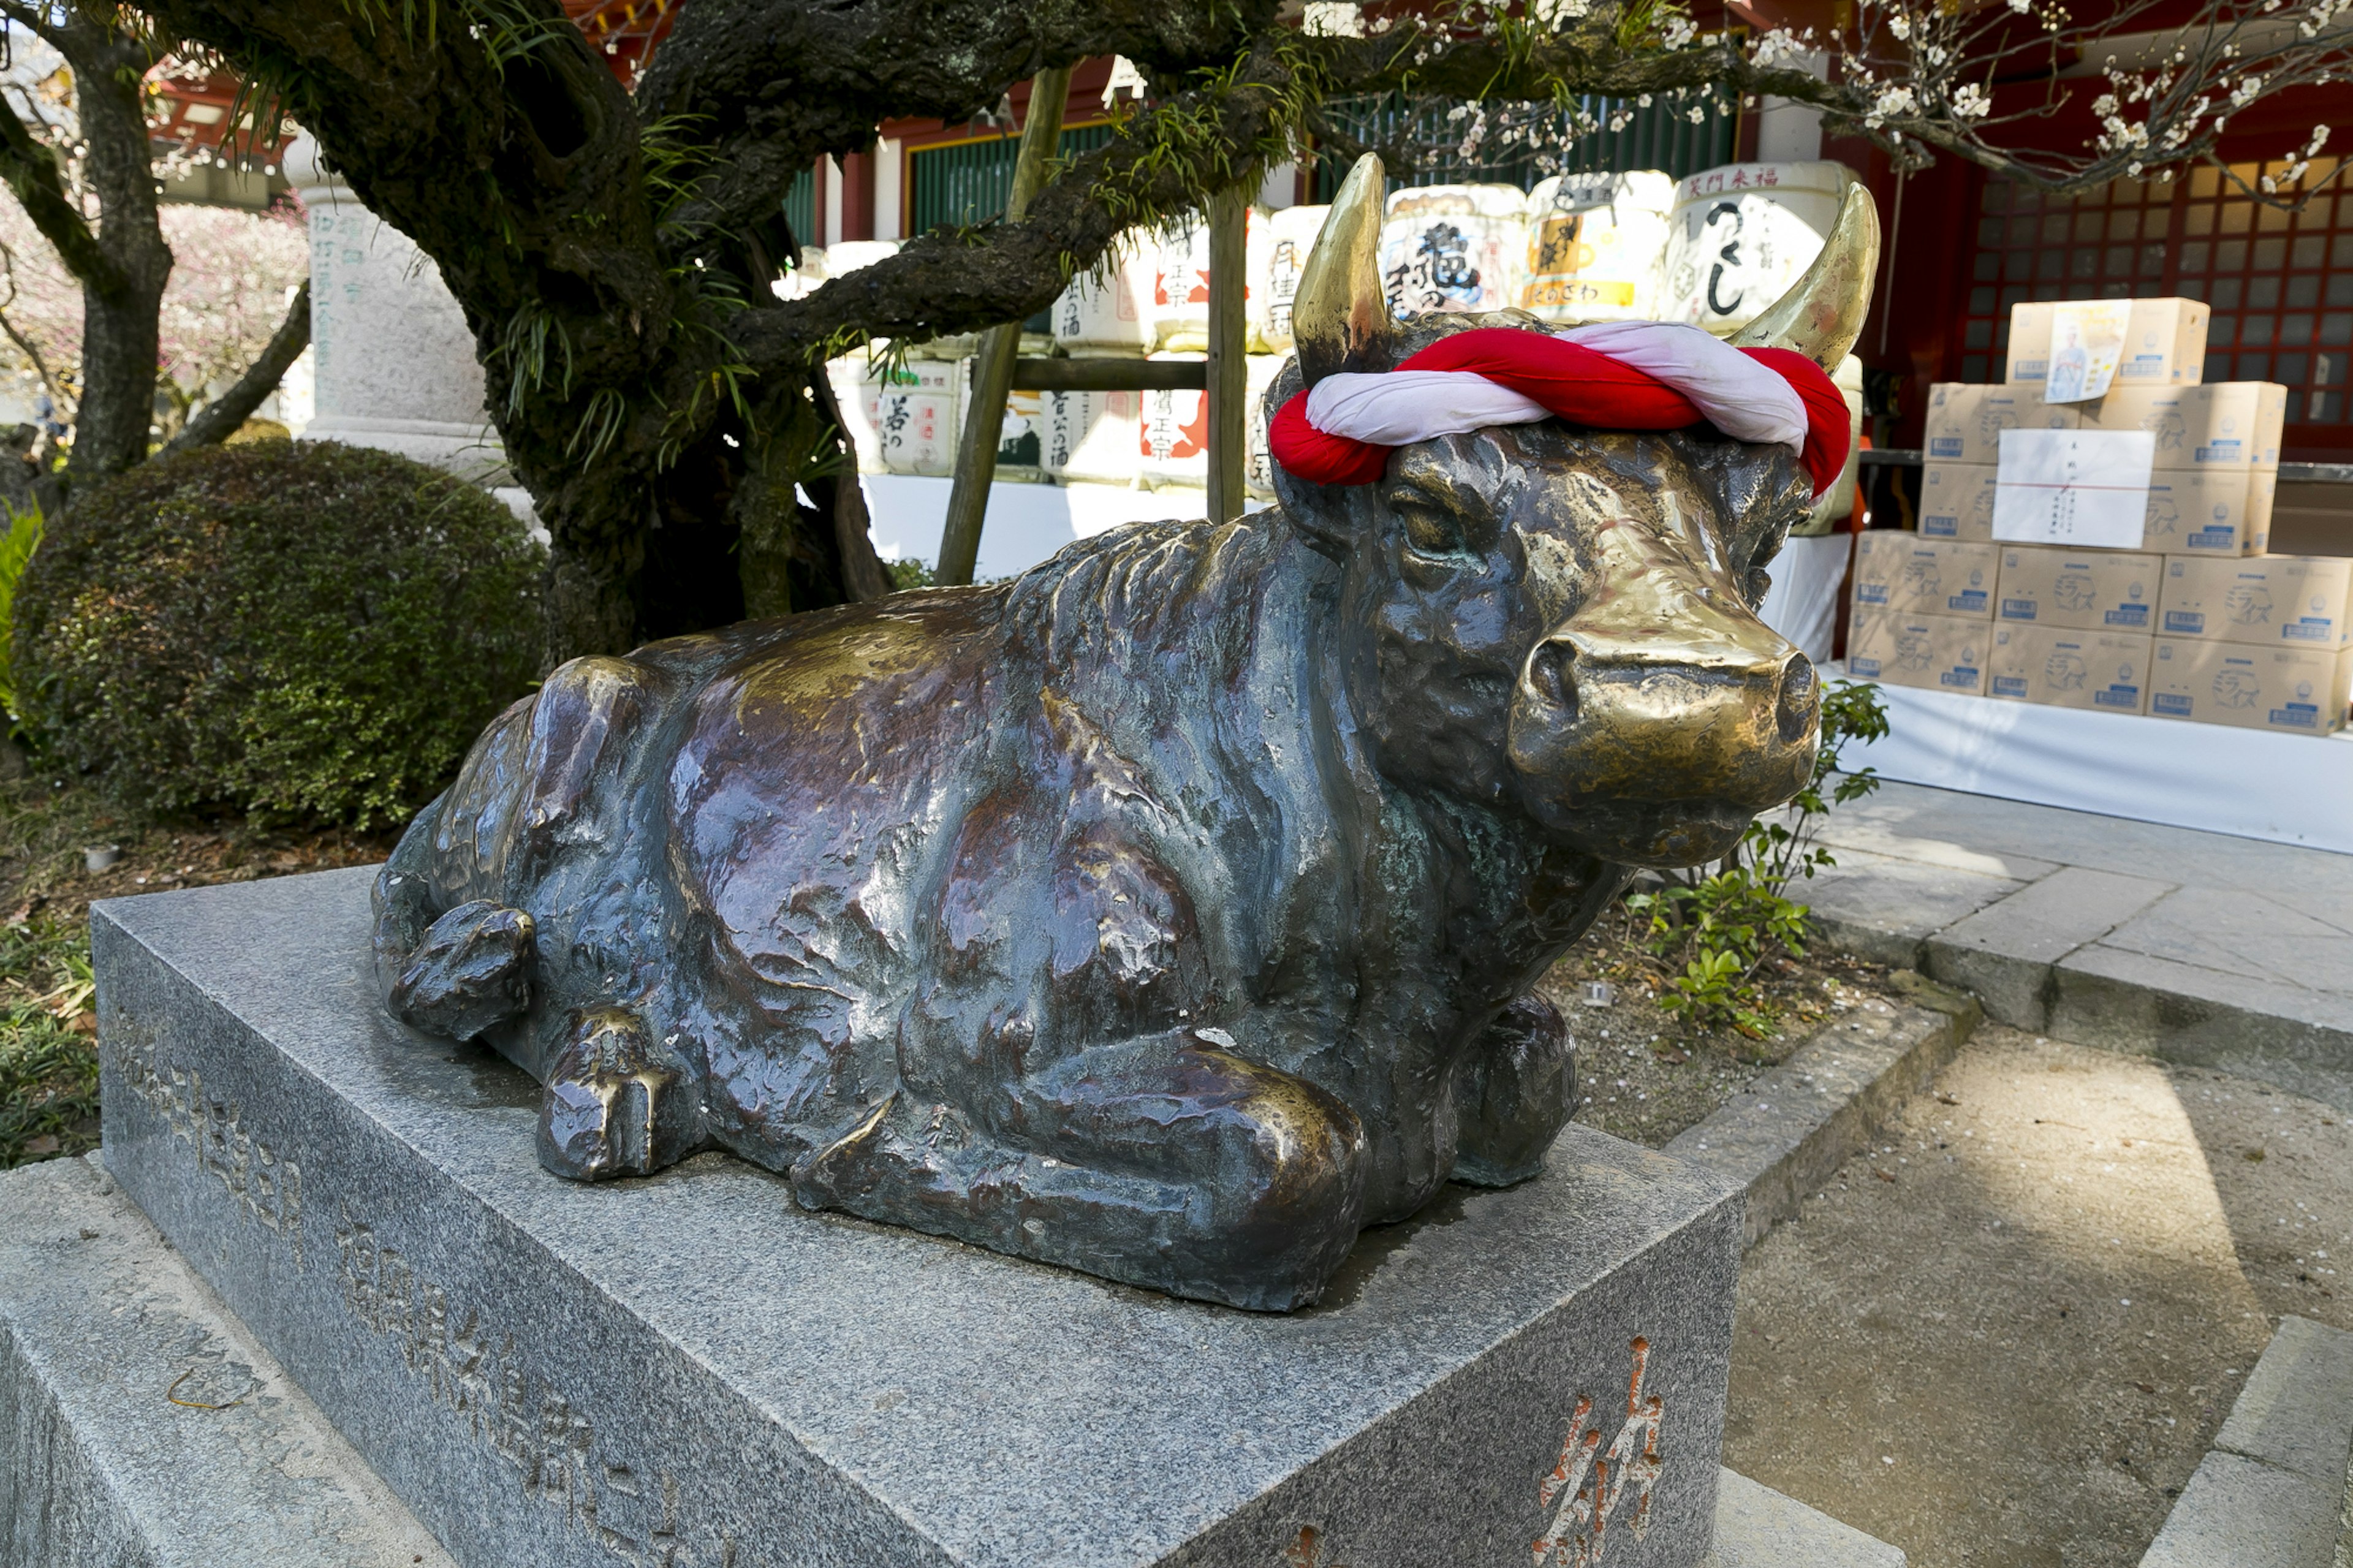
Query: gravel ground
x: 2007, y: 1335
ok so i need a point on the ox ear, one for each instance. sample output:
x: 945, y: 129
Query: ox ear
x: 1340, y: 317
x: 1821, y: 315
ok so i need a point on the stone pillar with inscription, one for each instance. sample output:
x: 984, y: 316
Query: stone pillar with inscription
x: 395, y: 366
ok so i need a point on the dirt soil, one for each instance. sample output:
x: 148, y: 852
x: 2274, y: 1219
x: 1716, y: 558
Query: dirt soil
x: 2007, y: 1334
x: 48, y: 1063
x: 1644, y: 1073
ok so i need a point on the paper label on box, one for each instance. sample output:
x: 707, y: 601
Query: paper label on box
x: 2087, y: 339
x: 2073, y: 487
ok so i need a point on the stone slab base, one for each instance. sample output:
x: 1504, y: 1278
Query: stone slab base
x: 99, y: 1468
x: 141, y: 1424
x: 2271, y: 1491
x: 687, y: 1370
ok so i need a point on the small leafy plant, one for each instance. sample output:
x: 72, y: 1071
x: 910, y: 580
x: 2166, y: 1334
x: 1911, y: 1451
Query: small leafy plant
x: 1725, y: 926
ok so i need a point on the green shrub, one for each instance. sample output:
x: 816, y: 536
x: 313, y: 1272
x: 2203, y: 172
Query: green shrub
x: 308, y: 632
x: 16, y: 545
x: 1724, y: 924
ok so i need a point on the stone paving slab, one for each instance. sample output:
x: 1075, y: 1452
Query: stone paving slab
x: 2269, y: 1494
x: 557, y: 1374
x: 2229, y: 952
x: 1756, y: 1527
x: 101, y: 1328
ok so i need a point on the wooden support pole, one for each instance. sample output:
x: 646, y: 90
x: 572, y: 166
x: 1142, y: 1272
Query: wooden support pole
x: 1229, y: 383
x: 992, y: 370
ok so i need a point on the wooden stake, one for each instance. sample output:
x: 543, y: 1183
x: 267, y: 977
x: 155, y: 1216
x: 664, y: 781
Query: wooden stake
x: 1228, y: 345
x: 992, y: 370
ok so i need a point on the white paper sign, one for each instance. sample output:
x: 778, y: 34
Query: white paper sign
x: 2073, y: 487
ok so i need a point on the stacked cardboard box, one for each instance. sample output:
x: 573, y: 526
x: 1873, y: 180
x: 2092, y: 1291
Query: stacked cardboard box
x: 2197, y: 622
x: 1923, y: 611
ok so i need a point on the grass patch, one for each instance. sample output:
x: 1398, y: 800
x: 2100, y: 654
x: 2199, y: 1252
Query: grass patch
x: 49, y: 1045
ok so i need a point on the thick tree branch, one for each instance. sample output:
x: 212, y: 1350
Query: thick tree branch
x: 218, y: 420
x: 770, y: 88
x: 30, y: 167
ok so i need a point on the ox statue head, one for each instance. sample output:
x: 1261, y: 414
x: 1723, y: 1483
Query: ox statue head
x: 1561, y: 621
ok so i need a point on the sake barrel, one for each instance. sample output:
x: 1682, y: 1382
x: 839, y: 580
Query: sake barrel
x: 1180, y: 284
x: 1597, y: 245
x: 1453, y: 247
x: 1291, y: 236
x: 916, y: 411
x: 848, y: 255
x: 857, y: 389
x: 1111, y: 314
x: 1090, y: 438
x: 1258, y: 463
x: 1021, y: 443
x: 1742, y: 234
x: 1830, y: 513
x: 1172, y: 434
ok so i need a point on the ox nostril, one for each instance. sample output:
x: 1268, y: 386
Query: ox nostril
x: 1800, y: 699
x: 1553, y: 678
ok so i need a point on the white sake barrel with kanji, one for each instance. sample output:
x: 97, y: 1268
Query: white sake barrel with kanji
x: 1453, y: 247
x: 1180, y: 284
x: 1172, y: 434
x: 1742, y: 234
x: 1291, y: 236
x: 916, y: 408
x: 1090, y: 437
x: 1111, y: 314
x: 857, y: 389
x: 1830, y: 514
x: 1258, y: 463
x: 1021, y: 440
x: 1597, y: 245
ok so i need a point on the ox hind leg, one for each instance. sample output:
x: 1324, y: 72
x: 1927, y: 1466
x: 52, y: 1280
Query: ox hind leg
x: 1052, y: 1102
x: 1171, y: 1162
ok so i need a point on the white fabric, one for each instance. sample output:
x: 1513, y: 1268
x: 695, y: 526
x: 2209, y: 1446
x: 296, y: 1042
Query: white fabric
x: 2253, y: 784
x: 1745, y: 400
x: 1403, y: 406
x: 1803, y: 605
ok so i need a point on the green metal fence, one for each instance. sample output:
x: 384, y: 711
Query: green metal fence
x: 1662, y: 136
x: 800, y: 207
x: 969, y: 182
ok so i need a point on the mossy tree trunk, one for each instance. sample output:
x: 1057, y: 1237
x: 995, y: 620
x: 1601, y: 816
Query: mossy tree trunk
x: 123, y: 262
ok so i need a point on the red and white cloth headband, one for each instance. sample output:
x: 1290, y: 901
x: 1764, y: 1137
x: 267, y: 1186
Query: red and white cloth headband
x: 1619, y: 375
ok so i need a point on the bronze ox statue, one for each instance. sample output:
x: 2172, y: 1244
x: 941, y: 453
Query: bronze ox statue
x: 1172, y: 911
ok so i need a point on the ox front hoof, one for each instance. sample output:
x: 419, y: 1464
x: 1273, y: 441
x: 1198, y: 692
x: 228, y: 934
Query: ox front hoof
x: 615, y: 1104
x: 470, y: 970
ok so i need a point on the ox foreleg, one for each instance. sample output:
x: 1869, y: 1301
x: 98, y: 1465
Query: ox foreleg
x: 1171, y: 1162
x: 1517, y: 1087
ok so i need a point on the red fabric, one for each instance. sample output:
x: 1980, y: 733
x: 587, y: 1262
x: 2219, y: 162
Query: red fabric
x: 1578, y: 384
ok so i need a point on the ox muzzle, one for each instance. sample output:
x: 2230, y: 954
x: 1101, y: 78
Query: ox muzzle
x: 1654, y: 724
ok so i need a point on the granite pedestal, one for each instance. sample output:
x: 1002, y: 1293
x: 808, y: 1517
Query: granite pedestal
x: 686, y: 1370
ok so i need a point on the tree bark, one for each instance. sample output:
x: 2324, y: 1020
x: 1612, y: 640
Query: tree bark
x: 123, y: 263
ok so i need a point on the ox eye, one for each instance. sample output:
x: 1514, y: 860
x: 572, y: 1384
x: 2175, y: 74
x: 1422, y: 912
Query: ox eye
x: 1432, y: 532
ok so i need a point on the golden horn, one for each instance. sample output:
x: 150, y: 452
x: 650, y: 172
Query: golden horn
x: 1340, y: 317
x: 1822, y: 314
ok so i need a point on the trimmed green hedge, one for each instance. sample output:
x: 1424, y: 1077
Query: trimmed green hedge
x: 311, y: 631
